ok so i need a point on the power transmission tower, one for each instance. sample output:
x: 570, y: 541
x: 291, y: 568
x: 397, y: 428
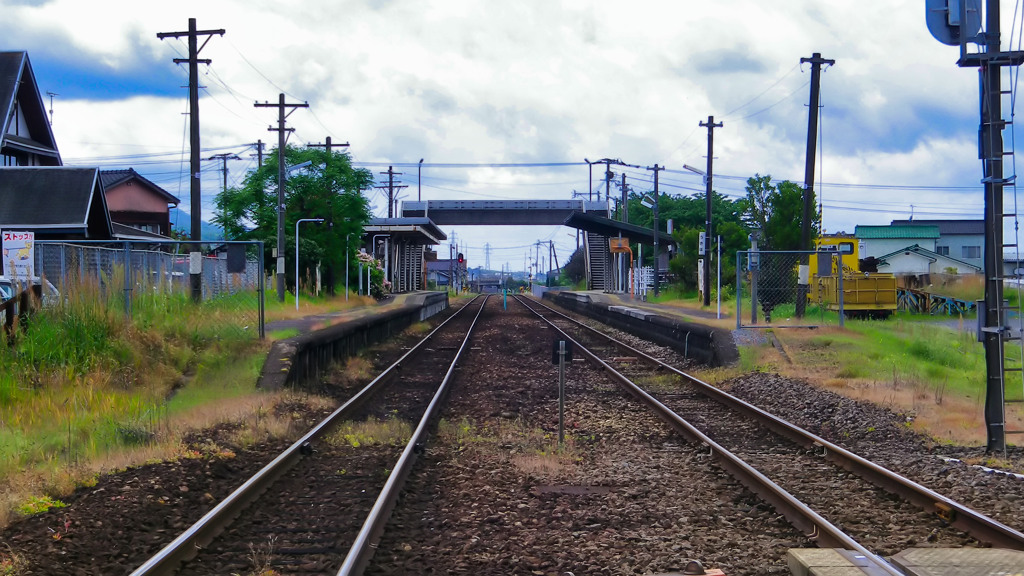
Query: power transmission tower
x: 812, y: 145
x: 391, y: 187
x: 706, y: 286
x: 487, y: 255
x: 195, y: 191
x: 282, y: 176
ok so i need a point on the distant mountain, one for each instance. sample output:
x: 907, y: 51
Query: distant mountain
x: 182, y: 221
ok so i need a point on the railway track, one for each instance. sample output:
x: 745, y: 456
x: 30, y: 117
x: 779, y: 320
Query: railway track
x: 335, y: 485
x: 841, y: 499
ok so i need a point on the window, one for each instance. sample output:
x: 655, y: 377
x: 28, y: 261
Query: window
x: 942, y: 250
x: 971, y: 252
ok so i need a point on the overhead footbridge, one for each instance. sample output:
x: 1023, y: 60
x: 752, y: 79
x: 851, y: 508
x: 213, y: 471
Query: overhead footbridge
x: 501, y: 212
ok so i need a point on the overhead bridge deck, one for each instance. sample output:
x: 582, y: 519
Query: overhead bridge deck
x: 500, y: 212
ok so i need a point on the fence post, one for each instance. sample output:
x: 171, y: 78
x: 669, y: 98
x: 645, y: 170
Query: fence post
x: 128, y: 281
x: 842, y: 293
x: 739, y: 288
x: 262, y: 295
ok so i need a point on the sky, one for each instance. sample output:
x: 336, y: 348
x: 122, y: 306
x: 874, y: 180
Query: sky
x: 474, y: 86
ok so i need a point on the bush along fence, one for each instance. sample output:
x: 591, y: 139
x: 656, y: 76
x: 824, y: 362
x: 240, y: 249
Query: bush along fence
x: 224, y: 278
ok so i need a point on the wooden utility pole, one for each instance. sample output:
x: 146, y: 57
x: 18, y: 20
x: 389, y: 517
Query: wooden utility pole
x: 282, y: 177
x: 259, y: 153
x: 812, y: 149
x: 195, y: 191
x: 327, y: 145
x: 706, y: 286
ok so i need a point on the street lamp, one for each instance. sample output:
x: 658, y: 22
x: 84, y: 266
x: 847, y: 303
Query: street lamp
x: 297, y: 222
x: 282, y: 177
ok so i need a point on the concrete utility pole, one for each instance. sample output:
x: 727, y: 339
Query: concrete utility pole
x: 224, y: 157
x: 195, y: 191
x: 259, y: 153
x: 282, y: 177
x: 327, y: 145
x: 706, y: 287
x: 391, y: 187
x: 812, y: 146
x: 657, y: 225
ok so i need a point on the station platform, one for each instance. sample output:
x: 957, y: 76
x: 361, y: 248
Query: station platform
x: 324, y: 339
x: 912, y: 562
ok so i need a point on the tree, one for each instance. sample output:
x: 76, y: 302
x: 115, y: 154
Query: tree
x: 329, y: 188
x: 777, y: 212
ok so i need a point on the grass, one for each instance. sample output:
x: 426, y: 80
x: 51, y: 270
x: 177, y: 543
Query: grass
x: 85, y: 389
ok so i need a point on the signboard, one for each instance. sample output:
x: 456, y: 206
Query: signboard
x: 19, y: 254
x: 618, y: 245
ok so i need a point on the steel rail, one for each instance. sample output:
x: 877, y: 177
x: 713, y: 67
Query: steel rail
x: 799, y: 514
x: 200, y: 534
x: 970, y: 521
x: 363, y: 547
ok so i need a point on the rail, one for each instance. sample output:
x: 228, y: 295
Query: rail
x: 203, y: 531
x: 977, y: 525
x: 363, y: 547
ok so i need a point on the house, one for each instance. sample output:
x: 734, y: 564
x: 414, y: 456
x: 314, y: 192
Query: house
x: 917, y: 261
x: 25, y: 135
x: 878, y: 241
x: 62, y: 203
x: 136, y: 202
x: 39, y: 194
x: 963, y: 240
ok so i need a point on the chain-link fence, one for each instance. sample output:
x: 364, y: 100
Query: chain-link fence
x: 786, y: 289
x: 217, y: 280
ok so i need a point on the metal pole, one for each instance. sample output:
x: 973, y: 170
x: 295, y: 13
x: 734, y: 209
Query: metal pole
x: 419, y: 181
x: 842, y: 293
x: 297, y: 222
x: 346, y: 267
x: 718, y: 244
x: 561, y: 393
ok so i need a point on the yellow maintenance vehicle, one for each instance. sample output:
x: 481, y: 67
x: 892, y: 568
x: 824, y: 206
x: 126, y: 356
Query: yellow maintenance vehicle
x: 835, y: 267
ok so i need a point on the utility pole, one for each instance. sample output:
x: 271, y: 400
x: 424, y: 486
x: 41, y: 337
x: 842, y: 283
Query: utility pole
x: 282, y: 177
x: 195, y: 192
x: 706, y: 287
x: 259, y: 153
x: 812, y: 145
x: 224, y: 157
x: 391, y: 187
x: 327, y: 145
x: 657, y: 225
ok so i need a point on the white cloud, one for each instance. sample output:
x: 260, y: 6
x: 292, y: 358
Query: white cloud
x: 540, y: 80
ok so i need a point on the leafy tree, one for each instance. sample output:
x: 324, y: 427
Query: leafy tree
x: 329, y: 188
x: 575, y: 270
x: 777, y: 211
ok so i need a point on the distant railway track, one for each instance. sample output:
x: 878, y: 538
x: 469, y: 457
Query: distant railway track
x: 807, y: 473
x: 304, y: 510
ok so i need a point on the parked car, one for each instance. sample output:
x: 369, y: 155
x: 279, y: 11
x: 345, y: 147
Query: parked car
x: 10, y: 287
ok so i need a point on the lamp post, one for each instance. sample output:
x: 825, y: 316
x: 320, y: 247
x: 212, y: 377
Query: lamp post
x: 419, y: 181
x: 297, y: 222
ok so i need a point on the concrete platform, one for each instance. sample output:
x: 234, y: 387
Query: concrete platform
x: 687, y: 331
x: 830, y: 562
x: 327, y: 338
x: 960, y: 561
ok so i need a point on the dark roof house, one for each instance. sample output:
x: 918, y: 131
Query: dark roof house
x: 54, y: 202
x: 25, y: 135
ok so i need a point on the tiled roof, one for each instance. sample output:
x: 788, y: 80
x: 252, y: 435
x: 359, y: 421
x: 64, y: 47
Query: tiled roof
x: 111, y: 178
x: 896, y: 232
x: 948, y: 227
x: 54, y: 199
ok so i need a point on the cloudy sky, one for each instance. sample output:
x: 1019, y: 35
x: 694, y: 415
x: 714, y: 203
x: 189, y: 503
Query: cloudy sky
x: 539, y: 84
